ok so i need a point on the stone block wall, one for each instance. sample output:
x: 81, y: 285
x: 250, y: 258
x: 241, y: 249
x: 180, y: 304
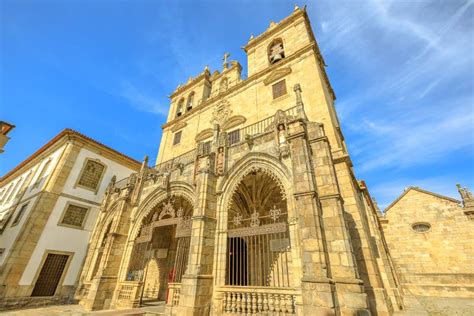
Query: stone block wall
x: 439, y: 261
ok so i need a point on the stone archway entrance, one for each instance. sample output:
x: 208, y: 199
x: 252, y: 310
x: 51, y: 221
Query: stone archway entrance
x: 160, y: 253
x: 258, y: 276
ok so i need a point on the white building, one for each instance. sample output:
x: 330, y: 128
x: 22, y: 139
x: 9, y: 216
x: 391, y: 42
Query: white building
x: 49, y: 204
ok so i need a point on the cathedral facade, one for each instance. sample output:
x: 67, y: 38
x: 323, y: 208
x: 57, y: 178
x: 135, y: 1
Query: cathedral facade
x: 253, y: 206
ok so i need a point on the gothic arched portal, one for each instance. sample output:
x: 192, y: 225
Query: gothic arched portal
x: 163, y: 238
x: 258, y: 242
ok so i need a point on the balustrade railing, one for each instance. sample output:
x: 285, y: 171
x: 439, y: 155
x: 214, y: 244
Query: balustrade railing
x: 260, y: 127
x: 257, y: 300
x: 186, y: 158
x: 174, y: 290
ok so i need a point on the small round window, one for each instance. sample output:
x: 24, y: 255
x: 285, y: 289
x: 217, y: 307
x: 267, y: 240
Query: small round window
x: 421, y: 227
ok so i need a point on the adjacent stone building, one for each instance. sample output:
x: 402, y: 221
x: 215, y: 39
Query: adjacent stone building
x: 430, y: 238
x: 48, y: 208
x: 253, y: 207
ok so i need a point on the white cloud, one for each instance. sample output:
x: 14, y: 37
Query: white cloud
x: 142, y: 101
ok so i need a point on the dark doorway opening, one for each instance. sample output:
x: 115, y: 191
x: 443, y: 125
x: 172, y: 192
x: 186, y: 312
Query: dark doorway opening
x: 237, y: 262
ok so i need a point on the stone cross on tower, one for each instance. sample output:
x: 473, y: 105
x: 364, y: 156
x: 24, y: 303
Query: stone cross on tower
x: 226, y: 56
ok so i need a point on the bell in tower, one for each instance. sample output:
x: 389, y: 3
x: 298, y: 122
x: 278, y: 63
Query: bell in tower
x: 276, y: 51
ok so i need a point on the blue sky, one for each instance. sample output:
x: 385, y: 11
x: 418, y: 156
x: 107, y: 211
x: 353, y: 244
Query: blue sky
x: 403, y: 73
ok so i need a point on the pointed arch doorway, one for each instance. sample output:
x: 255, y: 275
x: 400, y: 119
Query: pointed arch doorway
x: 160, y: 253
x: 258, y: 275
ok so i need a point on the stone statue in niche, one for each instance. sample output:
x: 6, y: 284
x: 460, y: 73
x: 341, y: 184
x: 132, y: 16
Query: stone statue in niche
x: 220, y: 161
x: 282, y: 141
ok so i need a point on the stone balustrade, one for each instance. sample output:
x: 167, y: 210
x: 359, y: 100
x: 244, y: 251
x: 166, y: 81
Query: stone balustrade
x: 256, y: 300
x: 128, y: 295
x: 173, y: 294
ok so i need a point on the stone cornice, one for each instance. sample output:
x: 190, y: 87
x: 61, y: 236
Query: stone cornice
x: 311, y: 193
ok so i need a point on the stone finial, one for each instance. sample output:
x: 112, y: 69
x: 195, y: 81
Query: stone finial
x: 296, y: 8
x: 466, y: 195
x: 272, y: 24
x: 251, y: 37
x: 225, y: 60
x: 467, y: 201
x: 145, y: 162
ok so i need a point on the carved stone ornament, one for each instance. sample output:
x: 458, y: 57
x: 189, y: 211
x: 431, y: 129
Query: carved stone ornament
x: 234, y: 121
x: 221, y: 113
x: 220, y: 161
x: 464, y: 192
x: 178, y: 126
x: 204, y: 134
x: 165, y: 180
x: 168, y: 209
x: 277, y: 74
x: 282, y: 136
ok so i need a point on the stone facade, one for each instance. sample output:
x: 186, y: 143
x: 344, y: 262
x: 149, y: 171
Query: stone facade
x: 253, y: 206
x: 38, y: 228
x: 430, y: 238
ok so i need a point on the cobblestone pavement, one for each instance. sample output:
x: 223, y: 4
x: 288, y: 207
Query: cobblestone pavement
x: 78, y: 310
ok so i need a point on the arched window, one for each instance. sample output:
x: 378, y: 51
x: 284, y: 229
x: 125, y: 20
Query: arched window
x: 179, y: 109
x: 276, y: 51
x: 223, y: 85
x: 189, y: 104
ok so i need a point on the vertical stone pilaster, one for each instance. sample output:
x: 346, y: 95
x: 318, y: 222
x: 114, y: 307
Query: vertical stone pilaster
x: 104, y: 283
x: 316, y: 287
x: 349, y: 294
x: 197, y: 282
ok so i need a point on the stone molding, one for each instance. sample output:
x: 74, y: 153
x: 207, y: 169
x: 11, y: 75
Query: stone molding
x: 277, y: 74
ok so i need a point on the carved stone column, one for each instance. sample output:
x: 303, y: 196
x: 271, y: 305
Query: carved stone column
x: 196, y: 284
x: 104, y: 282
x: 349, y: 292
x: 316, y: 287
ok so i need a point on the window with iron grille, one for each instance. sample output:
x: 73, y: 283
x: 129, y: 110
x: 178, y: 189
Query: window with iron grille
x: 20, y: 214
x: 279, y: 89
x: 234, y: 137
x: 50, y: 275
x: 91, y: 175
x: 177, y: 138
x: 74, y: 215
